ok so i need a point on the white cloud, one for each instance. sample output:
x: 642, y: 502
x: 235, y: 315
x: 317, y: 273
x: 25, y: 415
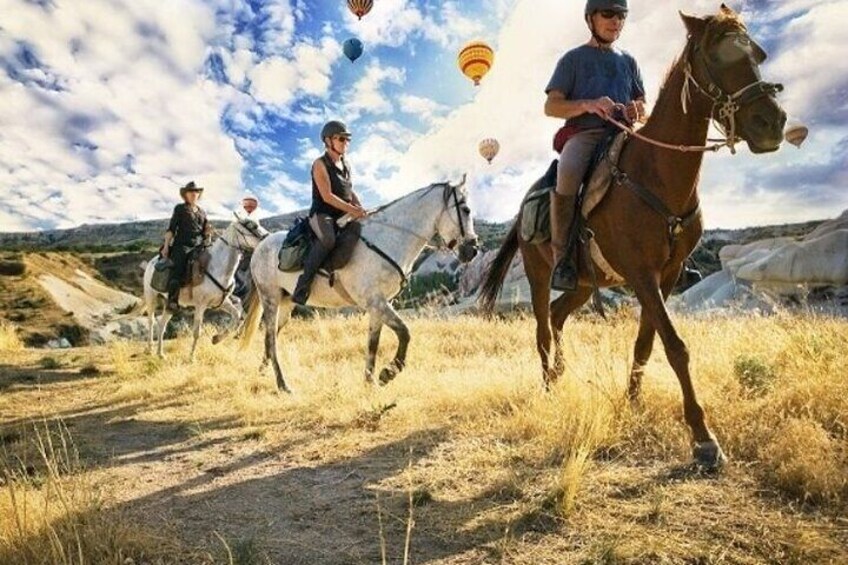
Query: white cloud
x: 425, y: 109
x: 366, y: 96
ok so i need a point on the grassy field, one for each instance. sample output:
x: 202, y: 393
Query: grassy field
x: 111, y: 456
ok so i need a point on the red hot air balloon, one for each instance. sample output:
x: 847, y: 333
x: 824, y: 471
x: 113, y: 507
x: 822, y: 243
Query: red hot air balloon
x: 360, y: 7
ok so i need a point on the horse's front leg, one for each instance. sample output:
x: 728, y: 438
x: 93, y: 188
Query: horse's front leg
x: 375, y: 326
x: 232, y: 306
x: 645, y: 341
x: 391, y: 319
x: 198, y: 321
x: 707, y: 451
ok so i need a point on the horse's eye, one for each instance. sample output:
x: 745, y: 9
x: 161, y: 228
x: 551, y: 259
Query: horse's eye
x: 466, y: 210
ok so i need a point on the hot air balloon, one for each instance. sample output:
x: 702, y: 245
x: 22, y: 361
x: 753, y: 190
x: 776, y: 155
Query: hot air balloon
x: 488, y: 148
x: 360, y: 7
x: 475, y: 60
x: 352, y: 49
x: 795, y: 133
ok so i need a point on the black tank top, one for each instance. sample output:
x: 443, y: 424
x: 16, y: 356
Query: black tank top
x: 340, y: 185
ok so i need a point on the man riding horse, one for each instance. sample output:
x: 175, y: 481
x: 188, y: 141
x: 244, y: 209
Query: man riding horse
x: 188, y: 231
x: 587, y: 84
x: 332, y: 198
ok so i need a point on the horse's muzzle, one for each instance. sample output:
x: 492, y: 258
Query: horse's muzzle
x: 468, y: 250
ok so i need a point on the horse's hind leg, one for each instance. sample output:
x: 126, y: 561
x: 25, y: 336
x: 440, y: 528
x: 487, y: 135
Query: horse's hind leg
x: 271, y: 307
x: 163, y: 323
x: 375, y: 326
x: 385, y: 312
x: 707, y: 451
x: 561, y: 308
x: 539, y: 276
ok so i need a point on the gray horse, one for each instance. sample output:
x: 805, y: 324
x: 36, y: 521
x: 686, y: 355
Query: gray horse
x: 215, y: 291
x: 393, y: 237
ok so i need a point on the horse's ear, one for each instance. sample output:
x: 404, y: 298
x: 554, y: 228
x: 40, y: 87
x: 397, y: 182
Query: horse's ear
x: 694, y: 25
x: 726, y: 11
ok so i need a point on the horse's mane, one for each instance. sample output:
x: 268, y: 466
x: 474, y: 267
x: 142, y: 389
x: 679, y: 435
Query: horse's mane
x: 718, y: 25
x: 424, y: 190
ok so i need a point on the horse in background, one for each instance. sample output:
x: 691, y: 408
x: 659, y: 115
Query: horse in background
x: 649, y: 221
x: 391, y: 239
x: 243, y: 234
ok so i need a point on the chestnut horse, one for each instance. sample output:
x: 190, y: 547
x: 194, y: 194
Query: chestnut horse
x: 645, y: 238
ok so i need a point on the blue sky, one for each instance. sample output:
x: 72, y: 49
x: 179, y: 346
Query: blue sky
x: 108, y: 106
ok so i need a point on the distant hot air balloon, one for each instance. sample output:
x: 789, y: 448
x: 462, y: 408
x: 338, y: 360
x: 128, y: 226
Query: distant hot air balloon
x: 475, y: 60
x: 352, y: 49
x: 360, y: 7
x: 489, y: 147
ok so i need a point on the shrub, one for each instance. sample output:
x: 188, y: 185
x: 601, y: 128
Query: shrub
x: 754, y: 374
x: 12, y: 268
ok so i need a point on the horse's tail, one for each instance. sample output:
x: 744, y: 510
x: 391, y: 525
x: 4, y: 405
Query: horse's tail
x: 251, y: 321
x: 139, y: 309
x: 499, y: 268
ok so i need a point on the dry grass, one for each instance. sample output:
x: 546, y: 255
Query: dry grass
x: 500, y: 469
x: 9, y: 340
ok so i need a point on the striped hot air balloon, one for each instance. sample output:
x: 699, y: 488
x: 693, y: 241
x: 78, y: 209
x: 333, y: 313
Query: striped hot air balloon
x: 475, y: 60
x: 360, y: 7
x: 488, y: 148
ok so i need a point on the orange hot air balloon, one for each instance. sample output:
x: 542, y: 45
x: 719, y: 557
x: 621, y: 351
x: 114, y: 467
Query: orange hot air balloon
x: 475, y: 60
x: 488, y: 148
x: 360, y: 7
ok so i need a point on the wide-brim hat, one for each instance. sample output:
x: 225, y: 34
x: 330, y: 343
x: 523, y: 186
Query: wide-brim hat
x: 191, y: 187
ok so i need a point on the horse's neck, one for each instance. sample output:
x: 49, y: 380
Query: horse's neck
x: 224, y: 260
x: 405, y: 227
x: 671, y: 174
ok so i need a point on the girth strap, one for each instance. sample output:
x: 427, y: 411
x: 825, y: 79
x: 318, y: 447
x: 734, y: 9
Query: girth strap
x: 675, y: 224
x: 221, y: 287
x: 388, y: 259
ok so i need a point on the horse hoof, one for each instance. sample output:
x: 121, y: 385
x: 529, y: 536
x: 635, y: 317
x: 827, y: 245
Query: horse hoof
x: 708, y: 455
x: 387, y: 375
x: 283, y: 387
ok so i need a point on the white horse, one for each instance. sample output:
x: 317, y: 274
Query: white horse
x: 242, y: 234
x: 393, y: 237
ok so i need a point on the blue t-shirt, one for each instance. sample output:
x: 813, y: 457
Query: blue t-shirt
x: 588, y: 72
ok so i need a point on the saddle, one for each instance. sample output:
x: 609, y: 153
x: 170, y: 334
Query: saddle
x: 300, y: 238
x: 536, y: 206
x: 198, y: 261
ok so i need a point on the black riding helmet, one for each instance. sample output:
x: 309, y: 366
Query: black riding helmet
x: 334, y: 127
x: 593, y: 6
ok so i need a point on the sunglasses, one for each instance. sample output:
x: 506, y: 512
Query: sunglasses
x: 340, y: 138
x: 610, y: 14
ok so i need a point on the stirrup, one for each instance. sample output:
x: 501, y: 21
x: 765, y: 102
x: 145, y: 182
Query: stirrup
x: 564, y: 276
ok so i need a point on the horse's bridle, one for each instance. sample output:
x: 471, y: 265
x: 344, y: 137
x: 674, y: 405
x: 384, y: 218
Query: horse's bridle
x: 727, y: 104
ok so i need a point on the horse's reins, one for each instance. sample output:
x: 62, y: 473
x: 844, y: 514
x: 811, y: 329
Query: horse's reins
x: 385, y: 256
x: 226, y: 291
x: 728, y: 105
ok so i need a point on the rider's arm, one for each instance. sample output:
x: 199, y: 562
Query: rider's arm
x: 322, y: 181
x: 558, y: 106
x: 172, y: 230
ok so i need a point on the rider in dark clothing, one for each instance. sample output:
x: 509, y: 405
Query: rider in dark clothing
x: 332, y: 198
x: 187, y: 231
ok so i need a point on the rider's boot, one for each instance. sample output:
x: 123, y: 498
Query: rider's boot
x: 317, y: 254
x: 564, y: 275
x: 173, y: 304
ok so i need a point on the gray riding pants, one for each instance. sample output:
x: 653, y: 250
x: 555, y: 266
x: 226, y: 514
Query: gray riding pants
x: 574, y: 160
x: 324, y: 228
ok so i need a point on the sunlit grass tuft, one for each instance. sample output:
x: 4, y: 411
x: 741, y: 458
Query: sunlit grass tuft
x: 9, y: 340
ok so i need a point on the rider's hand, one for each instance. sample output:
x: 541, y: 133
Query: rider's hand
x: 602, y: 106
x: 634, y: 110
x: 358, y: 212
x: 164, y: 252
